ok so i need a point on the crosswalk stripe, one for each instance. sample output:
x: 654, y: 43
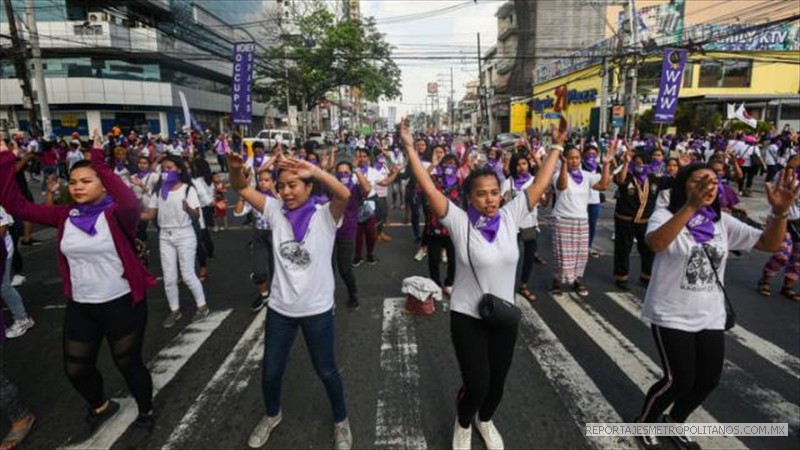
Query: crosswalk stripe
x: 399, y: 415
x: 229, y: 379
x: 767, y: 401
x: 767, y: 350
x: 581, y: 396
x: 633, y: 362
x: 163, y: 368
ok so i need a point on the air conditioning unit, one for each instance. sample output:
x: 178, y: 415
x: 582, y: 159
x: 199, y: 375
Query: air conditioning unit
x: 97, y: 17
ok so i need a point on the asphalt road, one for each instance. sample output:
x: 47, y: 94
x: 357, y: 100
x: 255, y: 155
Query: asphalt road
x: 576, y: 361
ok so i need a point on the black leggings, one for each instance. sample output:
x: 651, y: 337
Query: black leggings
x: 123, y: 325
x: 624, y: 233
x: 747, y: 179
x: 529, y: 248
x: 343, y: 251
x: 435, y: 246
x: 692, y: 365
x: 484, y: 357
x: 382, y: 212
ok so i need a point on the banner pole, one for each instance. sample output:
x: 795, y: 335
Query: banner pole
x: 660, y: 126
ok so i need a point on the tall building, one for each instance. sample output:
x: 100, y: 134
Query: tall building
x: 124, y: 63
x: 530, y: 33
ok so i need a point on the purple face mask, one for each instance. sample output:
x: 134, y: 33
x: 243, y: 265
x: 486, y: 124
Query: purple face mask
x: 85, y: 216
x: 640, y: 173
x: 701, y: 225
x: 300, y: 217
x: 258, y: 160
x: 168, y: 180
x: 379, y: 162
x: 448, y: 174
x: 363, y: 167
x: 590, y: 163
x: 488, y: 226
x: 346, y: 179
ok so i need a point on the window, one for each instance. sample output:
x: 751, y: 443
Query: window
x: 725, y: 73
x: 688, y: 74
x: 650, y: 76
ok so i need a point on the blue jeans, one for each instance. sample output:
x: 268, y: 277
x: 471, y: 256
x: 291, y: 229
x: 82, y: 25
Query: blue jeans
x: 8, y: 293
x: 594, y: 214
x: 278, y: 339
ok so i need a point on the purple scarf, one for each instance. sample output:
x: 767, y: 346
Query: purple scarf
x: 300, y: 217
x: 492, y: 163
x: 346, y: 180
x: 143, y: 173
x: 168, y: 181
x: 84, y: 216
x: 590, y: 163
x: 488, y: 226
x: 267, y: 193
x: 379, y: 162
x: 363, y: 168
x: 521, y: 179
x: 701, y: 225
x: 576, y: 175
x: 258, y: 160
x: 640, y: 173
x: 727, y: 196
x: 119, y: 165
x: 448, y: 174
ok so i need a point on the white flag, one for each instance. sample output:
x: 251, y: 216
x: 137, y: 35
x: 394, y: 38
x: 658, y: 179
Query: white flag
x: 731, y: 111
x: 743, y: 115
x: 187, y: 118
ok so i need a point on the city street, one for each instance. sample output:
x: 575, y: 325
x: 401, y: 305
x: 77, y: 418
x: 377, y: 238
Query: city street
x: 577, y: 361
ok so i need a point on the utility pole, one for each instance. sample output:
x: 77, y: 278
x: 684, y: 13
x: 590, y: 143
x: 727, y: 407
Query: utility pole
x: 603, y: 127
x: 481, y: 92
x: 41, y: 87
x: 452, y: 103
x: 633, y: 71
x: 20, y: 55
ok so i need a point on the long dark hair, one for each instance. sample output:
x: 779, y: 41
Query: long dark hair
x: 678, y: 195
x: 512, y: 164
x: 183, y: 174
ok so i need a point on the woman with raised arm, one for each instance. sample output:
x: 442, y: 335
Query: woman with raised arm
x: 485, y: 238
x: 301, y: 296
x: 685, y: 301
x: 104, y: 282
x: 571, y: 218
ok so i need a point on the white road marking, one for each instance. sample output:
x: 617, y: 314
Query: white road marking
x: 399, y: 416
x: 767, y: 350
x: 163, y: 368
x: 767, y: 401
x: 633, y: 362
x: 229, y: 380
x: 54, y: 306
x: 581, y: 396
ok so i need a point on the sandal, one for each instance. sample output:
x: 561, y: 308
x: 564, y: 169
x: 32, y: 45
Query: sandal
x: 539, y: 260
x: 555, y: 289
x: 581, y: 289
x: 790, y: 293
x: 525, y: 291
x: 764, y: 288
x: 16, y: 436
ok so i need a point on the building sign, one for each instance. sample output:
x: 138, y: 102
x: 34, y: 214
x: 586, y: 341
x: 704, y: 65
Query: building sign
x: 618, y: 115
x: 241, y: 83
x: 671, y: 80
x: 658, y: 25
x: 433, y: 88
x: 740, y: 38
x: 519, y: 111
x: 563, y: 98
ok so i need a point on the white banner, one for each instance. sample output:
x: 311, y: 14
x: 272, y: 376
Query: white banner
x: 187, y: 118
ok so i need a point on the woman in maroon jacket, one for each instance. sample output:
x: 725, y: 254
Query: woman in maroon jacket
x: 104, y: 282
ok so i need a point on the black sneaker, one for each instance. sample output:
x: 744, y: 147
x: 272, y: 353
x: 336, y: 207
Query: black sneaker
x: 648, y: 442
x: 259, y: 302
x: 622, y: 285
x: 142, y: 429
x: 30, y: 242
x: 683, y: 442
x: 353, y: 303
x: 357, y: 262
x: 94, y: 421
x: 371, y: 260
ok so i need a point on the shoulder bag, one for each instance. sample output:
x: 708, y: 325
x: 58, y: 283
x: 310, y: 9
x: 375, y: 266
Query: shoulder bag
x: 494, y: 311
x: 730, y: 314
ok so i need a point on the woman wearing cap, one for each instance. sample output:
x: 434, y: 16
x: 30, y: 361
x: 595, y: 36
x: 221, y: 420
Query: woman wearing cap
x: 302, y: 293
x: 485, y: 239
x: 104, y: 282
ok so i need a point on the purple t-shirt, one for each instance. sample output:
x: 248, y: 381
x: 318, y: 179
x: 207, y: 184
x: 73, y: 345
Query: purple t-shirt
x: 347, y: 232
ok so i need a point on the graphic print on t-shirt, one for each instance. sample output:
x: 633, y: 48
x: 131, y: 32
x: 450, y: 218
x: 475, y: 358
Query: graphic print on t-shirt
x: 296, y: 255
x: 699, y: 274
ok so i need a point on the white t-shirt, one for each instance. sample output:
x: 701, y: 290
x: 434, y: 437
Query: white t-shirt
x: 170, y: 211
x: 572, y: 202
x: 73, y: 156
x: 95, y: 268
x: 745, y: 151
x: 683, y: 292
x: 771, y: 155
x: 381, y: 191
x: 259, y: 221
x: 495, y: 262
x: 7, y: 221
x: 532, y: 219
x: 303, y: 284
x: 373, y: 175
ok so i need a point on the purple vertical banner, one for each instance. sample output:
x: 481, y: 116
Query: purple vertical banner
x: 671, y: 81
x: 241, y: 83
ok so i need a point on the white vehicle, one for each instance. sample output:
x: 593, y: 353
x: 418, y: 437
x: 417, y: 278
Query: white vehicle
x: 270, y: 137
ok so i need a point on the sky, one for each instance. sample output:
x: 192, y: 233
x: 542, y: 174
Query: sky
x: 435, y: 35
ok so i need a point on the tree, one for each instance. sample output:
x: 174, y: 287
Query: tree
x: 325, y: 54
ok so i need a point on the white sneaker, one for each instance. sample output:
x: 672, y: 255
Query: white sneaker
x: 342, y: 437
x: 462, y: 437
x: 19, y: 327
x: 491, y: 437
x: 421, y: 254
x: 260, y: 434
x: 18, y: 280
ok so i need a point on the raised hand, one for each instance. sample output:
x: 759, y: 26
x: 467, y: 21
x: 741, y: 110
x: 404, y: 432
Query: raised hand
x: 608, y: 157
x: 236, y: 174
x: 783, y: 194
x: 560, y: 134
x: 302, y: 168
x: 703, y: 192
x: 405, y: 134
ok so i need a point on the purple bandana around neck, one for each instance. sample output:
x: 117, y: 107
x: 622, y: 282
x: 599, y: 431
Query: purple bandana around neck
x: 448, y: 174
x: 521, y: 179
x: 590, y: 163
x: 379, y: 162
x: 657, y: 168
x: 119, y: 165
x: 488, y: 226
x: 143, y: 173
x: 640, y: 173
x: 84, y: 216
x: 363, y: 168
x: 300, y: 217
x: 314, y: 162
x: 169, y: 179
x: 267, y: 193
x: 701, y: 225
x: 576, y: 175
